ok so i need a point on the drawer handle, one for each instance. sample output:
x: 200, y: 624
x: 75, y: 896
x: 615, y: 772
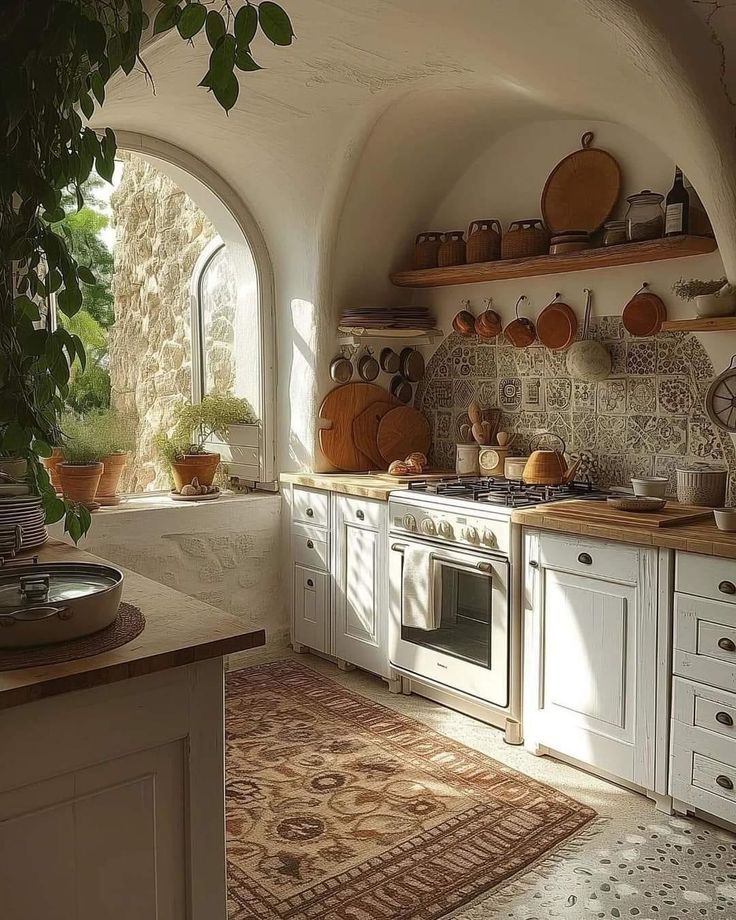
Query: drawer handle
x: 310, y: 544
x: 360, y: 515
x: 585, y: 558
x: 724, y: 782
x: 728, y: 645
x: 310, y: 583
x: 724, y: 719
x: 310, y: 512
x: 727, y: 587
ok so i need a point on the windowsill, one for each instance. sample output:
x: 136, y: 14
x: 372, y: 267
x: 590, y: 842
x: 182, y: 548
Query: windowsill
x: 160, y: 501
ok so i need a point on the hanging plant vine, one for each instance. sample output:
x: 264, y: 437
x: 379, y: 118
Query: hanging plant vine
x: 56, y: 59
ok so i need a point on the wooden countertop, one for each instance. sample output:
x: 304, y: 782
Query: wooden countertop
x: 366, y: 485
x: 179, y: 630
x: 701, y: 537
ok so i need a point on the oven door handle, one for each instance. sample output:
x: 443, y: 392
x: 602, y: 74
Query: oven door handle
x: 485, y: 567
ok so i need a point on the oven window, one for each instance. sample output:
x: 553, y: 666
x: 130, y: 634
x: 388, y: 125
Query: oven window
x: 465, y: 600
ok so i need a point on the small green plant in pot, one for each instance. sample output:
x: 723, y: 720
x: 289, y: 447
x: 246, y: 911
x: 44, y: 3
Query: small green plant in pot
x: 81, y: 469
x: 114, y: 435
x: 194, y: 425
x: 712, y: 298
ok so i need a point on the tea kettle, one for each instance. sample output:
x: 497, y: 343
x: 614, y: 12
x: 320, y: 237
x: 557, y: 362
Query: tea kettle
x: 548, y: 467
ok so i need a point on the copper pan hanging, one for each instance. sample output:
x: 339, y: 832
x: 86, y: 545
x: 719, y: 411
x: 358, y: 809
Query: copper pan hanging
x: 521, y: 332
x: 557, y: 325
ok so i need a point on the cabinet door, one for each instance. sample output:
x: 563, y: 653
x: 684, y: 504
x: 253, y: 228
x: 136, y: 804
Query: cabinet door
x: 311, y: 608
x: 591, y: 651
x: 361, y: 584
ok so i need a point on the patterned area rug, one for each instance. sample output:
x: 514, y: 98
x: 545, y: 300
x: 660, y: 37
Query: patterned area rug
x: 341, y: 809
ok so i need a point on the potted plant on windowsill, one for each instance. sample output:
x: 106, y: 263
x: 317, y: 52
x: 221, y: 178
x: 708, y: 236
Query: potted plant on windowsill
x: 81, y: 469
x: 195, y: 424
x: 114, y: 435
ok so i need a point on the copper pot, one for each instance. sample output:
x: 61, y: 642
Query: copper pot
x: 194, y: 466
x: 464, y: 322
x: 488, y: 325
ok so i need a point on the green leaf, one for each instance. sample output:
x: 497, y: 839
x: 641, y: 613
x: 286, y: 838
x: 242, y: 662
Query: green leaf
x: 246, y: 26
x: 86, y: 275
x: 243, y: 61
x: 53, y: 506
x: 80, y: 350
x: 215, y: 28
x: 222, y: 61
x: 70, y: 300
x: 191, y: 20
x: 226, y: 92
x: 72, y: 524
x: 41, y: 448
x: 275, y: 23
x: 86, y: 105
x: 53, y: 217
x: 97, y: 86
x: 105, y: 167
x: 27, y: 307
x: 166, y: 18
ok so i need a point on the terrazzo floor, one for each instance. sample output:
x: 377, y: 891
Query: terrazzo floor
x: 635, y: 862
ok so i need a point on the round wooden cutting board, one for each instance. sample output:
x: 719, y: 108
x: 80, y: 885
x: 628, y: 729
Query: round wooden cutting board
x: 401, y: 432
x: 339, y: 409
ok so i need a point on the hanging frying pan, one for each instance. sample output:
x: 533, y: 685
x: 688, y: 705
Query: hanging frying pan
x: 521, y: 331
x: 556, y: 325
x: 401, y: 389
x: 412, y: 365
x: 368, y: 368
x: 390, y: 361
x: 644, y: 314
x: 341, y: 369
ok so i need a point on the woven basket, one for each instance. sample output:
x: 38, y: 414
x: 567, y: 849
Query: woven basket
x: 452, y: 250
x: 484, y: 241
x: 524, y: 239
x: 426, y: 247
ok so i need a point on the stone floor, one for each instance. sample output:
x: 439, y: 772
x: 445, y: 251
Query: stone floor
x: 634, y: 863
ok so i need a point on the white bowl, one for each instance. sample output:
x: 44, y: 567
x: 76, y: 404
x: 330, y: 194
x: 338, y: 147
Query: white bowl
x: 650, y: 486
x: 725, y: 518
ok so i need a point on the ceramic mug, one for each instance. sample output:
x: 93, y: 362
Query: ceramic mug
x: 725, y: 518
x: 466, y: 460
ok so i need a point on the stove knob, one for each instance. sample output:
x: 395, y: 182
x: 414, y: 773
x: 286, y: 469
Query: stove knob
x: 489, y: 538
x: 428, y: 526
x: 471, y: 534
x: 409, y: 522
x: 445, y: 529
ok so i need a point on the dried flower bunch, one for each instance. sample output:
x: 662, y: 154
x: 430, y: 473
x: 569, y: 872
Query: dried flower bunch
x: 689, y: 290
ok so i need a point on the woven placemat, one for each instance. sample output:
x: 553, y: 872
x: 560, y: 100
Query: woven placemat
x: 129, y: 623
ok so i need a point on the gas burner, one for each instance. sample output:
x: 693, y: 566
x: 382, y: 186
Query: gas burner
x: 505, y: 492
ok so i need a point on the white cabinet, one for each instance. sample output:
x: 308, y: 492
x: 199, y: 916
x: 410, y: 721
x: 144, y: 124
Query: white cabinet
x: 590, y: 653
x: 361, y: 583
x: 339, y: 565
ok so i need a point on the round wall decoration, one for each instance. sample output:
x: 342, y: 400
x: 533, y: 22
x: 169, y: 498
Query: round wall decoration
x: 720, y: 401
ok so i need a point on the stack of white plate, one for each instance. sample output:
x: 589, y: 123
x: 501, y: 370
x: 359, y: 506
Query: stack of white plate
x: 26, y: 511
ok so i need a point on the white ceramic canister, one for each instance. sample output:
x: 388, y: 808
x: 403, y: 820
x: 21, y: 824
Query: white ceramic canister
x: 702, y: 485
x: 466, y: 460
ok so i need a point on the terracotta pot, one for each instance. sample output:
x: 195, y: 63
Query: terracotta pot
x: 51, y: 463
x: 107, y: 490
x: 200, y: 466
x: 79, y: 481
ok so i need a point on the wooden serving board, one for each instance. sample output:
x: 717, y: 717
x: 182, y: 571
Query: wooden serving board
x: 594, y: 512
x: 401, y: 432
x: 418, y: 477
x: 339, y: 409
x: 365, y: 430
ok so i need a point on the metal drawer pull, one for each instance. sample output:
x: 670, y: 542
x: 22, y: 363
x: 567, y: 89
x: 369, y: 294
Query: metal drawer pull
x: 310, y: 512
x: 724, y: 782
x: 728, y: 645
x: 533, y: 563
x: 360, y: 515
x: 310, y: 583
x: 727, y: 587
x: 724, y: 719
x: 310, y: 544
x: 585, y: 558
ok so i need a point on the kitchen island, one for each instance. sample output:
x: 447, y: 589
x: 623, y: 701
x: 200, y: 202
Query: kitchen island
x: 112, y: 769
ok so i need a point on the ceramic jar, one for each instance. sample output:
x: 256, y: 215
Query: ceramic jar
x: 466, y: 460
x: 702, y: 485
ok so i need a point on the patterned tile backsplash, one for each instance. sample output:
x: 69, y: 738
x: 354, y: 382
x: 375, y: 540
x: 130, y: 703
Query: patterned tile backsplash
x: 644, y: 420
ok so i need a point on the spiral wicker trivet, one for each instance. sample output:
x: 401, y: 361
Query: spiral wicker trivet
x: 129, y: 623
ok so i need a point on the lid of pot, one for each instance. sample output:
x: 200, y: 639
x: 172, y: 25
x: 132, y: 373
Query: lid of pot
x: 645, y: 195
x: 30, y: 585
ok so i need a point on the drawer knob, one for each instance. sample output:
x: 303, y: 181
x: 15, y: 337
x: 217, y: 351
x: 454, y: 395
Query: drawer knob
x: 310, y: 544
x: 724, y: 782
x: 310, y: 583
x: 360, y: 515
x: 727, y: 587
x: 310, y: 512
x: 728, y: 645
x: 724, y: 719
x: 585, y: 558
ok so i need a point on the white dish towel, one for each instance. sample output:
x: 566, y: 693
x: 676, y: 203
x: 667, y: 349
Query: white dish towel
x: 420, y: 607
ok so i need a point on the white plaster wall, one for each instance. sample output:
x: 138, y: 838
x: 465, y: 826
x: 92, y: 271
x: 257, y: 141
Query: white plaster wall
x: 226, y: 553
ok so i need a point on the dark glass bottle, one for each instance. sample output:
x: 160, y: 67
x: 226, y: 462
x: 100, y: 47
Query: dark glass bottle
x: 677, y: 207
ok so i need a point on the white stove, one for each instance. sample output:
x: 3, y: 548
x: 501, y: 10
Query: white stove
x: 455, y: 557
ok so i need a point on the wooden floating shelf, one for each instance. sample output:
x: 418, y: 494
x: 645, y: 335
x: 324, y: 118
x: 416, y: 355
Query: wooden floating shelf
x: 348, y: 335
x: 706, y: 324
x: 676, y: 247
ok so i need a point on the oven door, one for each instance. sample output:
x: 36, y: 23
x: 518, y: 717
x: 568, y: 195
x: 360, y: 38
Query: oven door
x: 469, y: 649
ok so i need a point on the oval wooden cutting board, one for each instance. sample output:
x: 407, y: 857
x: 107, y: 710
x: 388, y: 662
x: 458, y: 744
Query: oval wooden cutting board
x: 339, y: 409
x: 365, y: 431
x: 401, y: 432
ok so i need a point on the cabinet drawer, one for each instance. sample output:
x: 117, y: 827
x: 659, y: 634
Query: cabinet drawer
x: 714, y: 777
x: 705, y: 641
x: 706, y: 576
x: 362, y: 511
x: 703, y: 770
x: 590, y: 557
x: 704, y: 707
x: 310, y: 546
x: 310, y: 506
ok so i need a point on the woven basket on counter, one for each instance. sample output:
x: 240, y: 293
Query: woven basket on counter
x: 524, y: 239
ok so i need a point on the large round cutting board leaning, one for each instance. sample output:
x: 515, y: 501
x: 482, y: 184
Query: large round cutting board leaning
x: 55, y: 602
